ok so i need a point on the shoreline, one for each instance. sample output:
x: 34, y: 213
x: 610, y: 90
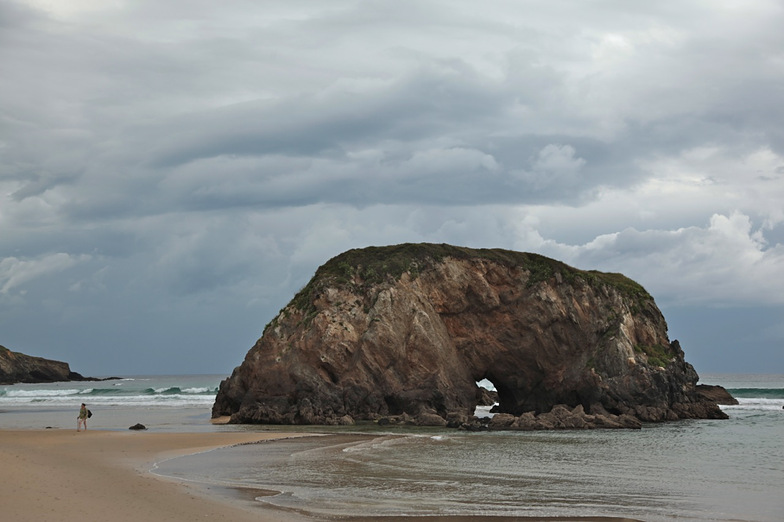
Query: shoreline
x: 53, y: 473
x: 94, y: 475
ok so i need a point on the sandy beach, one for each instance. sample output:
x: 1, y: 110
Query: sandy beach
x: 61, y: 475
x: 53, y: 473
x: 66, y: 476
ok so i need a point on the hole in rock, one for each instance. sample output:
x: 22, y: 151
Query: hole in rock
x: 487, y: 397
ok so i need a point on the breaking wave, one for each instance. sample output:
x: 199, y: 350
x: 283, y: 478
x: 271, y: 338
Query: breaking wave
x: 132, y: 392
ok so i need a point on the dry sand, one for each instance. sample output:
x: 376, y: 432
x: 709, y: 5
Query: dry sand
x: 62, y: 475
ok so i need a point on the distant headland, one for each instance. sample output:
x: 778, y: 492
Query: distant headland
x: 17, y: 367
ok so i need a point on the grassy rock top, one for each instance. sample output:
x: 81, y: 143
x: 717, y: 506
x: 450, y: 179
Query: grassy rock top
x: 375, y: 265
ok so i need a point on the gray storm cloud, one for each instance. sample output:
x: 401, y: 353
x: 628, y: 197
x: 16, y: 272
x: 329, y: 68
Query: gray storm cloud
x: 172, y: 173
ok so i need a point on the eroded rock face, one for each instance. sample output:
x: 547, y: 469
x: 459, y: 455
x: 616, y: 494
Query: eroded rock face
x: 410, y: 329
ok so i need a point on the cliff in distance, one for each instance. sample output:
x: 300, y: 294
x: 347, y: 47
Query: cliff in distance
x: 403, y: 333
x: 18, y: 367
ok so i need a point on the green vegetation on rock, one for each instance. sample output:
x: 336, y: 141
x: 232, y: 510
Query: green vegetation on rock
x: 657, y: 355
x: 365, y: 267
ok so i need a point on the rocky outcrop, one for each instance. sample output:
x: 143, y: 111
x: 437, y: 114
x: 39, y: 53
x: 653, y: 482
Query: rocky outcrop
x: 716, y: 394
x: 561, y: 417
x: 18, y: 367
x: 486, y: 397
x: 407, y: 331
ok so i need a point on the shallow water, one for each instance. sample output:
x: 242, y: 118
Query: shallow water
x: 689, y: 470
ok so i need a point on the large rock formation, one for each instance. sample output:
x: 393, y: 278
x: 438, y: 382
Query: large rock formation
x: 18, y: 367
x: 408, y: 330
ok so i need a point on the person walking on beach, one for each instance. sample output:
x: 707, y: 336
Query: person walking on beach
x: 81, y: 420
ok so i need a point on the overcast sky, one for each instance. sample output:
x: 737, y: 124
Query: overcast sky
x: 172, y: 173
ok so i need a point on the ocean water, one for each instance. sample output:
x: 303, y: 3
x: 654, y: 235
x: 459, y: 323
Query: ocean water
x: 703, y: 470
x: 688, y: 470
x: 163, y: 402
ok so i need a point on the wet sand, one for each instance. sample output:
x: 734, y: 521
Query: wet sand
x: 58, y: 474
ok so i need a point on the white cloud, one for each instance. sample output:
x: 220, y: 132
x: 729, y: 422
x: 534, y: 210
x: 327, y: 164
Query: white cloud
x: 722, y: 177
x: 722, y: 263
x: 16, y: 272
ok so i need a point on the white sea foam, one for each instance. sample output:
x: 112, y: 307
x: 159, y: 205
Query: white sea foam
x: 756, y: 404
x: 178, y: 391
x: 484, y: 411
x: 36, y: 394
x: 198, y: 390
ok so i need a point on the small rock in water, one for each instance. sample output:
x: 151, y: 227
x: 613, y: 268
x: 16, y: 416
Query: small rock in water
x: 138, y: 426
